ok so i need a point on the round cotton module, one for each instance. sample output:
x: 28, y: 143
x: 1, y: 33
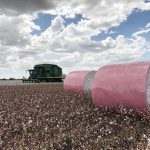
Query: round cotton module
x: 123, y: 84
x: 79, y: 81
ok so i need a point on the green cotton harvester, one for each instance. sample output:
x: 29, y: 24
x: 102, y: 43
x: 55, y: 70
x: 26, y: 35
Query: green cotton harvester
x: 45, y: 73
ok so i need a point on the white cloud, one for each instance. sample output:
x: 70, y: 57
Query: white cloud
x: 70, y: 47
x: 17, y: 7
x: 16, y: 30
x: 125, y: 50
x: 148, y: 25
x: 100, y: 14
x: 57, y: 24
x: 143, y: 31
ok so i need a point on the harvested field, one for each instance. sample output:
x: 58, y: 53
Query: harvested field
x: 43, y: 116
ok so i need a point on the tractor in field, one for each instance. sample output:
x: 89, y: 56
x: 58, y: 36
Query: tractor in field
x: 44, y: 73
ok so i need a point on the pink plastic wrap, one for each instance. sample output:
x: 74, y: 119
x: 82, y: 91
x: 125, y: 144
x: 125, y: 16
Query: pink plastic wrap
x: 74, y: 81
x: 123, y: 84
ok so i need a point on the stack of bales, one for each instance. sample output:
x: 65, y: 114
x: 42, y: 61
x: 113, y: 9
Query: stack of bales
x: 114, y: 85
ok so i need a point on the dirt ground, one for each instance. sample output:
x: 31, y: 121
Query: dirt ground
x: 43, y: 116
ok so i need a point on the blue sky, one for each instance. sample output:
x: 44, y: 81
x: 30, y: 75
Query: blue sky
x: 44, y: 21
x: 136, y: 21
x: 73, y: 43
x: 146, y: 1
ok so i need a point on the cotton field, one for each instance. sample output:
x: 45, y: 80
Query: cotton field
x: 43, y: 116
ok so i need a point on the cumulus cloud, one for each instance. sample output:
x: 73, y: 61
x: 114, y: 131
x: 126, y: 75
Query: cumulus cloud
x: 126, y: 50
x: 143, y: 31
x: 57, y: 24
x: 99, y: 14
x: 17, y: 7
x: 148, y: 25
x: 16, y: 30
x: 69, y: 46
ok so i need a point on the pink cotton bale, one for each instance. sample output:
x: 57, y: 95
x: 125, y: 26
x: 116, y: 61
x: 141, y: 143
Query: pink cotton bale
x: 79, y: 81
x: 123, y: 84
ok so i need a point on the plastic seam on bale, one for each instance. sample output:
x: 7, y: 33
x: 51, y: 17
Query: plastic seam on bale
x: 88, y: 83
